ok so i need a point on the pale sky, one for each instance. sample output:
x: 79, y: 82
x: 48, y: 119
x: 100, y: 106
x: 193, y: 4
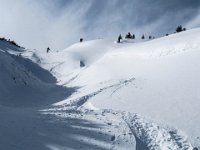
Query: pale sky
x: 37, y: 24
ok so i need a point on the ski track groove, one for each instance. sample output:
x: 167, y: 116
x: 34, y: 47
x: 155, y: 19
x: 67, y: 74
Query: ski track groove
x: 153, y: 136
x: 80, y: 101
x: 156, y: 137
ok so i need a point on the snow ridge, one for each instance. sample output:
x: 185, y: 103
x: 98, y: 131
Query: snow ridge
x: 156, y: 137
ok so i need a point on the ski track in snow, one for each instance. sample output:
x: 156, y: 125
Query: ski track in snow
x: 149, y: 135
x: 156, y: 137
x: 87, y: 127
x: 78, y: 102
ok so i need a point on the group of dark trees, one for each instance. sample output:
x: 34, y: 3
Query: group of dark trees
x: 132, y: 36
x: 180, y: 29
x: 8, y: 40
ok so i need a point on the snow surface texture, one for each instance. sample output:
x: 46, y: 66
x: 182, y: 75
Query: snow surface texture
x: 96, y: 105
x: 23, y: 83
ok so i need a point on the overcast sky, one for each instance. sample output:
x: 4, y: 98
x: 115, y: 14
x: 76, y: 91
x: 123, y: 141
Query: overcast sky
x: 37, y: 24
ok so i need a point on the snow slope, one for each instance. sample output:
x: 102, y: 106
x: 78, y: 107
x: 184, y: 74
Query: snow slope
x: 26, y: 89
x: 103, y: 104
x: 23, y: 83
x: 157, y: 79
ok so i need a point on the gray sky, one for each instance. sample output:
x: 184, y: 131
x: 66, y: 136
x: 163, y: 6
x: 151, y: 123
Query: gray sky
x: 59, y: 23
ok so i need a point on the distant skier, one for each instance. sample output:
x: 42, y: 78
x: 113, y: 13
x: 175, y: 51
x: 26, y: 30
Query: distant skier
x: 48, y: 49
x: 81, y: 39
x: 119, y: 38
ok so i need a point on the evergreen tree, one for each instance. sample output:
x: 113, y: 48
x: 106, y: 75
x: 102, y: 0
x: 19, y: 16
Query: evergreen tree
x: 128, y: 36
x: 119, y: 38
x: 133, y: 37
x: 179, y: 29
x: 150, y: 37
x: 143, y: 37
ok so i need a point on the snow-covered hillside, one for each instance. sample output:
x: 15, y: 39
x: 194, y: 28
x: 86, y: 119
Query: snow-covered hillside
x: 134, y: 94
x: 23, y: 83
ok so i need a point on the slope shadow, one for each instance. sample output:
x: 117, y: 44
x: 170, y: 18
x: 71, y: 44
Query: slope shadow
x: 75, y: 134
x: 35, y: 69
x: 6, y: 46
x: 31, y: 131
x: 140, y: 145
x: 25, y: 84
